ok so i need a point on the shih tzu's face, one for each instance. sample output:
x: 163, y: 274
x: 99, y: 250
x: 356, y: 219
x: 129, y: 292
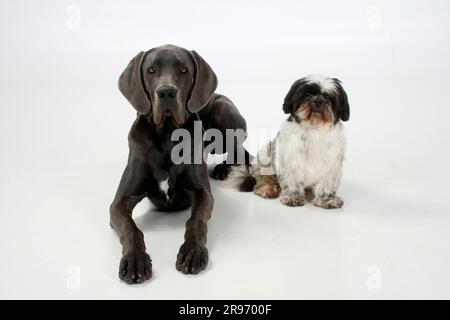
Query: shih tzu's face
x: 317, y: 100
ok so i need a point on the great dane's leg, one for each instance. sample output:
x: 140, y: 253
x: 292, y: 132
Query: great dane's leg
x: 193, y: 255
x: 135, y: 265
x: 223, y: 115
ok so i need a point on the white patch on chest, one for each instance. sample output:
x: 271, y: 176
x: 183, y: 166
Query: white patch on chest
x: 164, y: 186
x: 306, y: 156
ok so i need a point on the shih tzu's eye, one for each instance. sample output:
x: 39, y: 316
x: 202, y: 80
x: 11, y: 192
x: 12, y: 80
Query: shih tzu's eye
x: 183, y: 70
x: 151, y: 70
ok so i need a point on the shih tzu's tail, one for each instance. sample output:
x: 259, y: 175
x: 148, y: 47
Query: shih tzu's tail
x: 246, y: 178
x: 241, y: 178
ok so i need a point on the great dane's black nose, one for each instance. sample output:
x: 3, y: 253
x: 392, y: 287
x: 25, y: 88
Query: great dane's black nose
x: 167, y: 93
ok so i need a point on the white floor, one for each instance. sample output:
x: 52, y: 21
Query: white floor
x: 391, y: 239
x: 63, y: 128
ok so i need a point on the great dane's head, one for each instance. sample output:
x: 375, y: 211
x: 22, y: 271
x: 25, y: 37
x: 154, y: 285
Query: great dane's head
x: 168, y: 82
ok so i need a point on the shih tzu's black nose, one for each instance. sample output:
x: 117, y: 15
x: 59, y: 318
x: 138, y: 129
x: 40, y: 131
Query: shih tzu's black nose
x: 317, y: 103
x: 167, y: 93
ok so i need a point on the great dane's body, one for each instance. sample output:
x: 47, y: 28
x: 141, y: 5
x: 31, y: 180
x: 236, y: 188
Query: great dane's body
x: 170, y: 87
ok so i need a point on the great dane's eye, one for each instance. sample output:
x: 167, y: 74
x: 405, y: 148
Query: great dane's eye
x: 151, y: 70
x: 183, y: 70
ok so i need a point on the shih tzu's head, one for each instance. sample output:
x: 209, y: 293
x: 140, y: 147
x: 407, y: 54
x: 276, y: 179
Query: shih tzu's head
x: 317, y: 100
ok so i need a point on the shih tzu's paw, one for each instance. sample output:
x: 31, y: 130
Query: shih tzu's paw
x: 328, y: 202
x: 268, y: 191
x: 293, y: 200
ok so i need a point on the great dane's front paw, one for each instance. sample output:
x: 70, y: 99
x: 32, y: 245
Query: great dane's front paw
x: 135, y: 268
x: 328, y: 202
x: 221, y: 171
x: 192, y: 258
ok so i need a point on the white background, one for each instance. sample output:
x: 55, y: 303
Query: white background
x: 63, y: 136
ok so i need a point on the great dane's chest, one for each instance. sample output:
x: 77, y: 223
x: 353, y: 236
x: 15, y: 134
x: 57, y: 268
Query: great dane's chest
x: 159, y: 150
x: 161, y: 164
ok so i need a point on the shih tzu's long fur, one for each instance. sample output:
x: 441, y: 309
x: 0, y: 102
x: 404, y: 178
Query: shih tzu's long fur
x: 308, y: 152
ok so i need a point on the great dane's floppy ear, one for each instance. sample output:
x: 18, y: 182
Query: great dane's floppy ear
x: 205, y: 83
x: 131, y: 85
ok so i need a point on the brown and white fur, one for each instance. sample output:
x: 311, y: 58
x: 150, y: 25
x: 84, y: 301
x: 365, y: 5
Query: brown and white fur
x: 308, y: 152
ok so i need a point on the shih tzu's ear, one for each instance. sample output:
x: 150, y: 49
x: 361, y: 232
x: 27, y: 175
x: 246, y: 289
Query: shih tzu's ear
x: 343, y: 107
x: 288, y: 103
x: 131, y: 85
x: 205, y: 83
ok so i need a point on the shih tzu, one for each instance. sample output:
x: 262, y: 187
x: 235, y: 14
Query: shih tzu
x: 308, y: 152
